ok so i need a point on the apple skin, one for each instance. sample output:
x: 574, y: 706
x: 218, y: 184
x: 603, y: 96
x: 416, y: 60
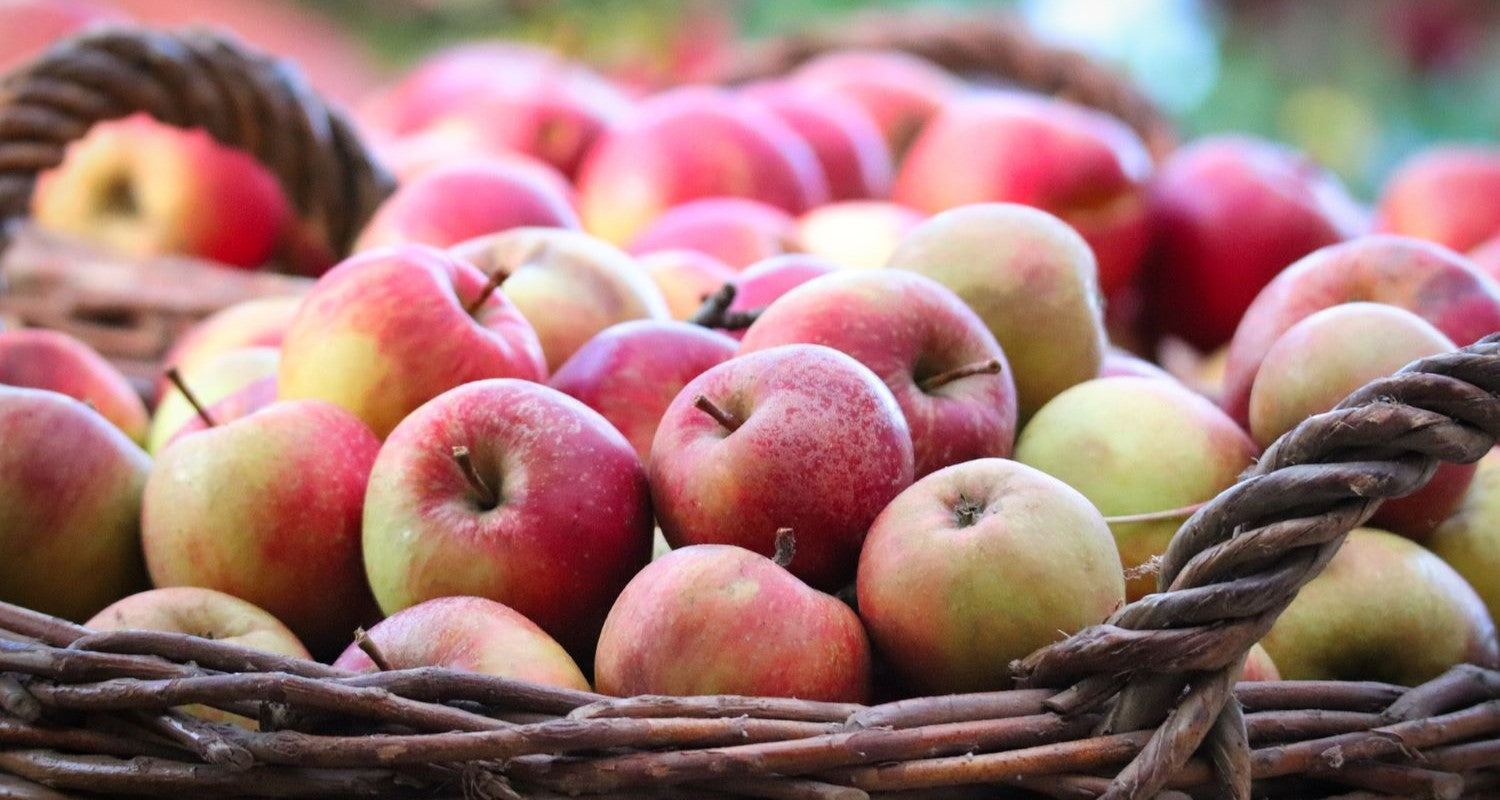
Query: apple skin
x: 460, y: 201
x: 1469, y: 540
x: 691, y: 143
x: 1033, y: 281
x: 899, y: 91
x: 849, y: 147
x: 241, y: 402
x: 568, y: 284
x: 1259, y: 666
x: 1429, y: 280
x: 735, y: 230
x: 27, y: 27
x: 146, y: 188
x: 821, y: 448
x: 1384, y: 609
x: 979, y: 564
x: 856, y: 233
x: 1086, y: 167
x: 1137, y: 446
x: 387, y: 330
x: 763, y: 282
x: 632, y: 371
x: 43, y: 359
x: 1444, y: 194
x: 573, y: 525
x: 216, y: 379
x: 201, y: 612
x: 719, y: 619
x: 264, y: 507
x: 1228, y: 213
x: 470, y: 634
x: 261, y: 322
x: 686, y: 278
x: 906, y: 328
x: 70, y: 505
x: 1119, y: 362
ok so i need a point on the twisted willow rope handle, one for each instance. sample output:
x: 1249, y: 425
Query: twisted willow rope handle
x: 1240, y: 560
x: 189, y: 79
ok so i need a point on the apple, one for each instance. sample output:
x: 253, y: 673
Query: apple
x: 898, y: 90
x: 1469, y: 539
x: 43, y: 359
x: 1119, y: 362
x: 261, y: 322
x: 977, y: 565
x: 70, y: 505
x: 241, y: 402
x: 1033, y: 281
x: 632, y: 371
x: 761, y: 283
x: 460, y: 201
x: 450, y: 81
x: 200, y: 612
x: 735, y: 230
x: 691, y: 143
x: 470, y: 634
x: 1429, y: 280
x: 686, y: 278
x: 1259, y: 666
x: 937, y: 357
x: 568, y: 284
x: 144, y: 188
x: 719, y: 619
x: 849, y: 147
x: 264, y: 508
x: 1084, y: 166
x: 1486, y: 257
x: 27, y: 27
x: 513, y: 491
x: 389, y: 329
x: 856, y: 233
x: 1229, y: 213
x: 1445, y: 194
x: 799, y: 436
x: 1144, y: 451
x: 217, y: 378
x: 1384, y: 609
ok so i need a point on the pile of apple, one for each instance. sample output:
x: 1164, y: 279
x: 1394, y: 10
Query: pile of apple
x: 841, y: 338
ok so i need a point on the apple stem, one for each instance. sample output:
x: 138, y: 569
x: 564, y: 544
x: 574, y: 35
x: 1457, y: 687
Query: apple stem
x: 715, y: 313
x: 176, y: 378
x: 498, y: 277
x: 487, y: 497
x: 786, y: 547
x: 1155, y: 516
x: 990, y: 366
x: 723, y: 417
x: 364, y: 642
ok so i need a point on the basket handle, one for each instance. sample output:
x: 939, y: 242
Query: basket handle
x: 191, y: 79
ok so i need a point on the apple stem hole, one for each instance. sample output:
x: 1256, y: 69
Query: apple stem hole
x: 990, y: 366
x: 723, y: 417
x: 367, y: 645
x: 786, y: 547
x: 175, y: 377
x: 967, y: 511
x: 488, y: 499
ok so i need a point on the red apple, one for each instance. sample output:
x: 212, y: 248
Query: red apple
x: 632, y: 371
x: 763, y: 282
x: 1487, y: 257
x: 1259, y: 666
x: 43, y: 359
x: 1228, y: 214
x: 717, y: 619
x: 200, y: 612
x: 545, y: 509
x: 686, y: 278
x: 390, y: 329
x: 855, y: 160
x: 899, y: 91
x: 933, y: 352
x: 1445, y: 194
x: 856, y: 233
x: 470, y: 634
x: 737, y: 231
x: 800, y: 436
x: 27, y: 27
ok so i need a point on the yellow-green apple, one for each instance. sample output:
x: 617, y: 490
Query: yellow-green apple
x: 1259, y: 666
x: 265, y: 507
x: 686, y: 278
x: 27, y: 27
x: 43, y: 359
x: 720, y: 619
x: 856, y: 233
x: 692, y: 143
x: 213, y: 380
x: 472, y: 634
x: 1384, y: 609
x: 241, y: 402
x: 849, y: 147
x: 979, y: 564
x: 513, y: 491
x: 70, y: 505
x: 568, y: 284
x: 1445, y: 194
x: 761, y: 283
x: 899, y: 91
x: 1427, y: 279
x: 735, y: 230
x: 201, y: 612
x: 261, y: 322
x: 145, y: 188
x: 460, y: 201
x: 1324, y: 358
x: 1082, y: 165
x: 1469, y: 540
x: 799, y: 436
x: 933, y: 352
x: 1228, y: 213
x: 1139, y: 449
x: 632, y: 371
x: 387, y: 330
x: 1030, y: 277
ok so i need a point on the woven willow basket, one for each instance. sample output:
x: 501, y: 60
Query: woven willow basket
x: 1144, y: 705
